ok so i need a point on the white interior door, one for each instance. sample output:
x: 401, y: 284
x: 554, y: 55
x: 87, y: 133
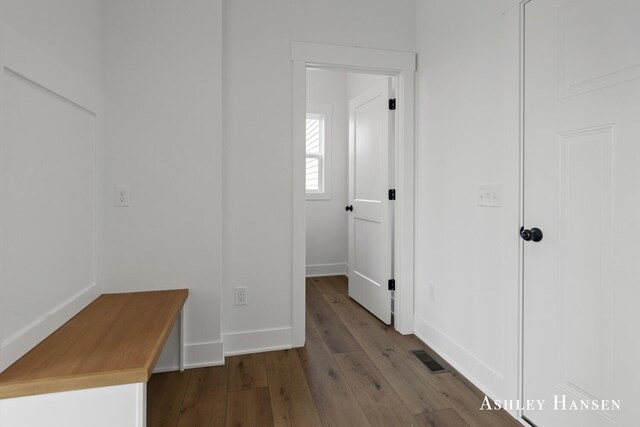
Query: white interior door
x: 369, y: 220
x: 582, y: 189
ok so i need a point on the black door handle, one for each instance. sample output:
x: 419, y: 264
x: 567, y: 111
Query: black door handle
x: 348, y: 208
x: 534, y: 234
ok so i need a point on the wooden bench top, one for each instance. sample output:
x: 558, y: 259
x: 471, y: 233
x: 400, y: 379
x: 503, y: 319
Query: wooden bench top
x: 116, y: 339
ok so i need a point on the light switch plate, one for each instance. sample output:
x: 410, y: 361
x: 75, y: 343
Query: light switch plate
x: 121, y: 196
x: 490, y: 195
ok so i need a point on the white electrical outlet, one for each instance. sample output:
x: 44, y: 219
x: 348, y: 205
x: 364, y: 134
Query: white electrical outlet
x: 241, y: 296
x: 121, y: 196
x: 490, y: 195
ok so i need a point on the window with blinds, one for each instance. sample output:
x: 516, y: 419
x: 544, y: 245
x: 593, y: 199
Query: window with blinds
x: 315, y: 151
x: 318, y: 151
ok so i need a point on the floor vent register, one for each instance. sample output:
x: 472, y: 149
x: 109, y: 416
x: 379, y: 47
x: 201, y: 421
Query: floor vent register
x: 428, y: 361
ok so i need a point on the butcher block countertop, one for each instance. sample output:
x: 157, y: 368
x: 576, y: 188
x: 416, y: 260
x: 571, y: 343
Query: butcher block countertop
x: 115, y: 340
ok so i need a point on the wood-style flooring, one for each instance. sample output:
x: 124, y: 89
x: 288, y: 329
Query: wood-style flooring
x: 353, y: 371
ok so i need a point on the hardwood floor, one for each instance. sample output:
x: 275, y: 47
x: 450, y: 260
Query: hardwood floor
x: 353, y: 371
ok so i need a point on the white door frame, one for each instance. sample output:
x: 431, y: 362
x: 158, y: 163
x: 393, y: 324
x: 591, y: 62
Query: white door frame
x: 513, y: 11
x: 401, y: 65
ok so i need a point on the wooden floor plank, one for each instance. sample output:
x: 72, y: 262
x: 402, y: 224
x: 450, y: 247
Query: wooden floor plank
x: 379, y: 402
x: 309, y: 323
x: 465, y: 398
x: 165, y: 394
x: 291, y: 398
x: 249, y: 408
x: 467, y: 403
x: 341, y: 283
x: 205, y: 401
x: 442, y: 418
x: 331, y: 284
x: 247, y: 371
x: 337, y: 337
x: 334, y: 399
x: 324, y: 383
x: 417, y: 395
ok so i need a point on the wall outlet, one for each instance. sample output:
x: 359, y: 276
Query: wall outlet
x: 241, y: 296
x: 490, y: 195
x: 432, y: 292
x: 121, y: 196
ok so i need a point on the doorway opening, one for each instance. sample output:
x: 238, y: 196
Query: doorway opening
x: 349, y: 180
x: 394, y: 73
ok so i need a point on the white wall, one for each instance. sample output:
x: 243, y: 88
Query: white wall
x: 50, y: 128
x: 165, y: 82
x: 358, y: 83
x: 466, y: 255
x: 326, y: 220
x: 163, y: 139
x: 162, y: 80
x: 257, y: 116
x: 68, y: 30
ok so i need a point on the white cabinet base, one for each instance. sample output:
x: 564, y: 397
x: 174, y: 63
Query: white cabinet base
x: 121, y: 405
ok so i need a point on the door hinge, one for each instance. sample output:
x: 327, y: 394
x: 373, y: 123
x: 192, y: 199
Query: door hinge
x: 392, y: 284
x: 392, y: 194
x: 392, y: 104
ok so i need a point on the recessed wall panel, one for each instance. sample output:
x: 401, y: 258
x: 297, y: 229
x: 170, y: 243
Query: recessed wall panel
x: 366, y: 236
x: 48, y: 180
x: 367, y: 151
x: 585, y: 282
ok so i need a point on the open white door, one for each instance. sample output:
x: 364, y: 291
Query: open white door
x: 370, y: 258
x: 582, y: 190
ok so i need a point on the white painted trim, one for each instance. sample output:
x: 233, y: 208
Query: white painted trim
x: 27, y: 60
x: 3, y: 357
x: 457, y: 356
x: 320, y: 270
x: 515, y: 90
x: 141, y: 404
x: 401, y: 65
x: 181, y: 350
x: 298, y: 236
x: 354, y: 58
x: 507, y: 5
x: 256, y: 341
x: 167, y: 368
x: 404, y: 214
x: 199, y: 355
x: 15, y: 346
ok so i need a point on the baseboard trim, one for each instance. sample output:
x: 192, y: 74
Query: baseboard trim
x: 200, y: 355
x: 258, y: 341
x: 320, y: 270
x: 17, y: 345
x: 458, y: 357
x: 166, y: 368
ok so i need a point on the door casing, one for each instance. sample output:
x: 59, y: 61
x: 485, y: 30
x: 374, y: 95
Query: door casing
x: 402, y: 66
x: 513, y: 11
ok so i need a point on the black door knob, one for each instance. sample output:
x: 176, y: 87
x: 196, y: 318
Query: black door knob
x: 534, y: 234
x: 348, y: 208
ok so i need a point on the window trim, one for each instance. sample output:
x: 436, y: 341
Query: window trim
x: 325, y: 112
